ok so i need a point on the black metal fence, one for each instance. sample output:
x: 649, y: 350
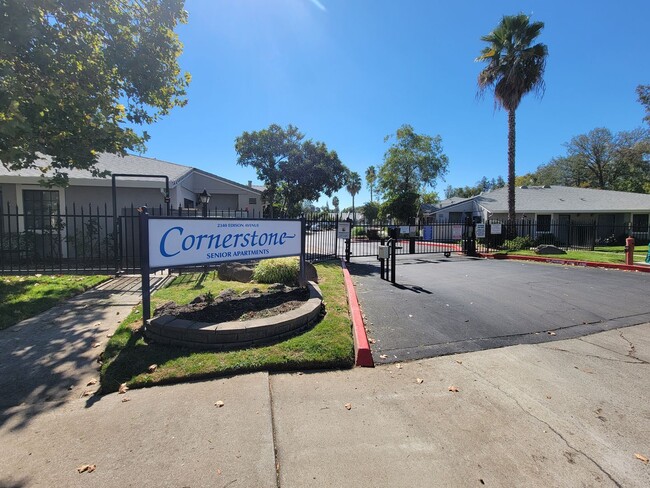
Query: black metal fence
x: 90, y: 239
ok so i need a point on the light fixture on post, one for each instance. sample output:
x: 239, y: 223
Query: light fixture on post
x: 204, y: 199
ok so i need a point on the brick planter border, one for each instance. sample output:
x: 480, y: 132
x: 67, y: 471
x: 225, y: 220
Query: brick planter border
x: 167, y: 329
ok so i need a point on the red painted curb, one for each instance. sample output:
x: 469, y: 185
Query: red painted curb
x: 570, y: 262
x: 362, y: 354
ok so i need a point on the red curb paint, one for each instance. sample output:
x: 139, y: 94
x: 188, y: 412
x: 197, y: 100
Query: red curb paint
x: 569, y: 262
x: 362, y: 354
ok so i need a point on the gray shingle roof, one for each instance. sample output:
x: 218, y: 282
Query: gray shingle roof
x: 537, y: 199
x: 130, y: 164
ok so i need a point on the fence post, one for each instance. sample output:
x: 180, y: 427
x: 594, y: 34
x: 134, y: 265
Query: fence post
x: 144, y: 264
x: 336, y: 240
x: 348, y: 251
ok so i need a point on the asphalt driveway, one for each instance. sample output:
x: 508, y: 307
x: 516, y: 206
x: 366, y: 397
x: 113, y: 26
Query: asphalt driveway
x: 442, y: 306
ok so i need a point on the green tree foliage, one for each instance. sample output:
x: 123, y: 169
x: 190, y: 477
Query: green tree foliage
x: 353, y: 186
x: 515, y: 67
x: 412, y: 164
x: 335, y: 204
x: 76, y: 77
x: 481, y: 186
x: 291, y: 169
x: 370, y: 211
x: 401, y: 207
x: 644, y: 97
x: 371, y: 178
x: 600, y: 159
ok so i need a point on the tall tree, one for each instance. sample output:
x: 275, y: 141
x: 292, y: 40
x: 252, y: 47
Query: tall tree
x: 515, y: 67
x: 335, y: 203
x: 412, y: 164
x: 353, y: 186
x: 77, y: 77
x: 292, y: 170
x: 644, y: 97
x: 371, y: 178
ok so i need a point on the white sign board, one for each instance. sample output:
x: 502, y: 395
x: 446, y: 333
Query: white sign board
x: 182, y: 242
x: 456, y: 232
x: 495, y: 229
x: 480, y: 231
x: 343, y: 230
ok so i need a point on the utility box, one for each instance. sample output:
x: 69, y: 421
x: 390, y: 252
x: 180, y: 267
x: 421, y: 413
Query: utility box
x: 383, y: 252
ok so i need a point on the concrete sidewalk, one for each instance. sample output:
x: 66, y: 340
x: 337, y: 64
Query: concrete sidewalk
x: 565, y: 413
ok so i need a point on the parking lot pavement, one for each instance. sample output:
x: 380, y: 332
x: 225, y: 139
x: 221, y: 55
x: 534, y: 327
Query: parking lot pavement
x: 442, y: 306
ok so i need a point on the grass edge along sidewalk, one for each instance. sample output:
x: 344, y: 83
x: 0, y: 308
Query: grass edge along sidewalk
x: 23, y: 297
x: 328, y: 344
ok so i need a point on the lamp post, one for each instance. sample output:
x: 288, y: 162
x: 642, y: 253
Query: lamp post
x: 204, y: 198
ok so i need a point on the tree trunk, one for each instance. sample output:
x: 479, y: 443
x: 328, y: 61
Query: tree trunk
x: 511, y: 168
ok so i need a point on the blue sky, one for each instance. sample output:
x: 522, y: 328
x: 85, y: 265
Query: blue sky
x: 349, y: 72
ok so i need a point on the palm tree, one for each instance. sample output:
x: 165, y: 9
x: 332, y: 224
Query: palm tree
x: 371, y: 177
x: 353, y: 186
x: 514, y: 67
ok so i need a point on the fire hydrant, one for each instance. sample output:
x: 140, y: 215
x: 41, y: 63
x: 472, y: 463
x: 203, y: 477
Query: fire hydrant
x: 629, y: 250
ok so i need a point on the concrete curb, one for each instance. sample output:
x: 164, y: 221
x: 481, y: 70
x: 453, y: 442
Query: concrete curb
x: 362, y: 354
x: 570, y: 262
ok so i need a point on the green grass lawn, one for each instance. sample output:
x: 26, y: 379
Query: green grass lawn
x: 328, y: 344
x: 594, y: 256
x: 22, y: 297
x: 637, y: 249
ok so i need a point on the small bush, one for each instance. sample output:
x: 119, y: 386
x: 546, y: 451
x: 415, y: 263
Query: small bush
x: 358, y: 232
x: 277, y: 270
x: 518, y: 243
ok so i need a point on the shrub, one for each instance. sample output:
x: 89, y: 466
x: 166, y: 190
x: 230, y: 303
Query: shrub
x: 277, y: 270
x: 518, y: 243
x: 546, y: 238
x: 358, y: 232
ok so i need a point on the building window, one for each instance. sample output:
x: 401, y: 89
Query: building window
x: 640, y: 224
x: 543, y: 223
x: 456, y: 217
x: 187, y: 203
x: 40, y: 206
x: 252, y: 201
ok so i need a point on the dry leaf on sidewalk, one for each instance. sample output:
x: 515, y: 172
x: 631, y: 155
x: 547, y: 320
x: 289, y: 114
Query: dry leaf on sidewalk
x: 152, y: 368
x: 454, y: 389
x: 550, y: 332
x: 348, y: 406
x: 123, y: 389
x: 92, y: 382
x: 383, y: 356
x: 641, y: 458
x: 219, y: 404
x: 86, y: 468
x: 459, y: 361
x: 419, y: 381
x: 87, y: 393
x: 126, y: 399
x: 96, y: 344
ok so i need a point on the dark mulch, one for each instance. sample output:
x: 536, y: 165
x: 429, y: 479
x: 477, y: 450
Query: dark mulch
x: 229, y: 306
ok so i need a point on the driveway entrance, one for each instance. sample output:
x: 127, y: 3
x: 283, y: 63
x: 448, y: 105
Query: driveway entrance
x: 459, y: 304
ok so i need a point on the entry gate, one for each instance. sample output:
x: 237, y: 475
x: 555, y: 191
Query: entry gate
x: 444, y: 238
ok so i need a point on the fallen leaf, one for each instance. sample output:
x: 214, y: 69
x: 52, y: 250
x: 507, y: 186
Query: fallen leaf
x: 641, y: 458
x: 123, y: 389
x: 152, y: 368
x: 383, y: 356
x: 109, y: 335
x: 126, y: 399
x: 348, y: 406
x: 419, y: 381
x: 459, y: 361
x: 219, y: 403
x: 550, y: 332
x: 87, y: 393
x: 454, y: 389
x: 96, y: 344
x: 86, y: 468
x: 92, y: 382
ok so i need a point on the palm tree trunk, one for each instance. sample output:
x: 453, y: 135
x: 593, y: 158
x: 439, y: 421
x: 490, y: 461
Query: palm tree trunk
x: 511, y: 168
